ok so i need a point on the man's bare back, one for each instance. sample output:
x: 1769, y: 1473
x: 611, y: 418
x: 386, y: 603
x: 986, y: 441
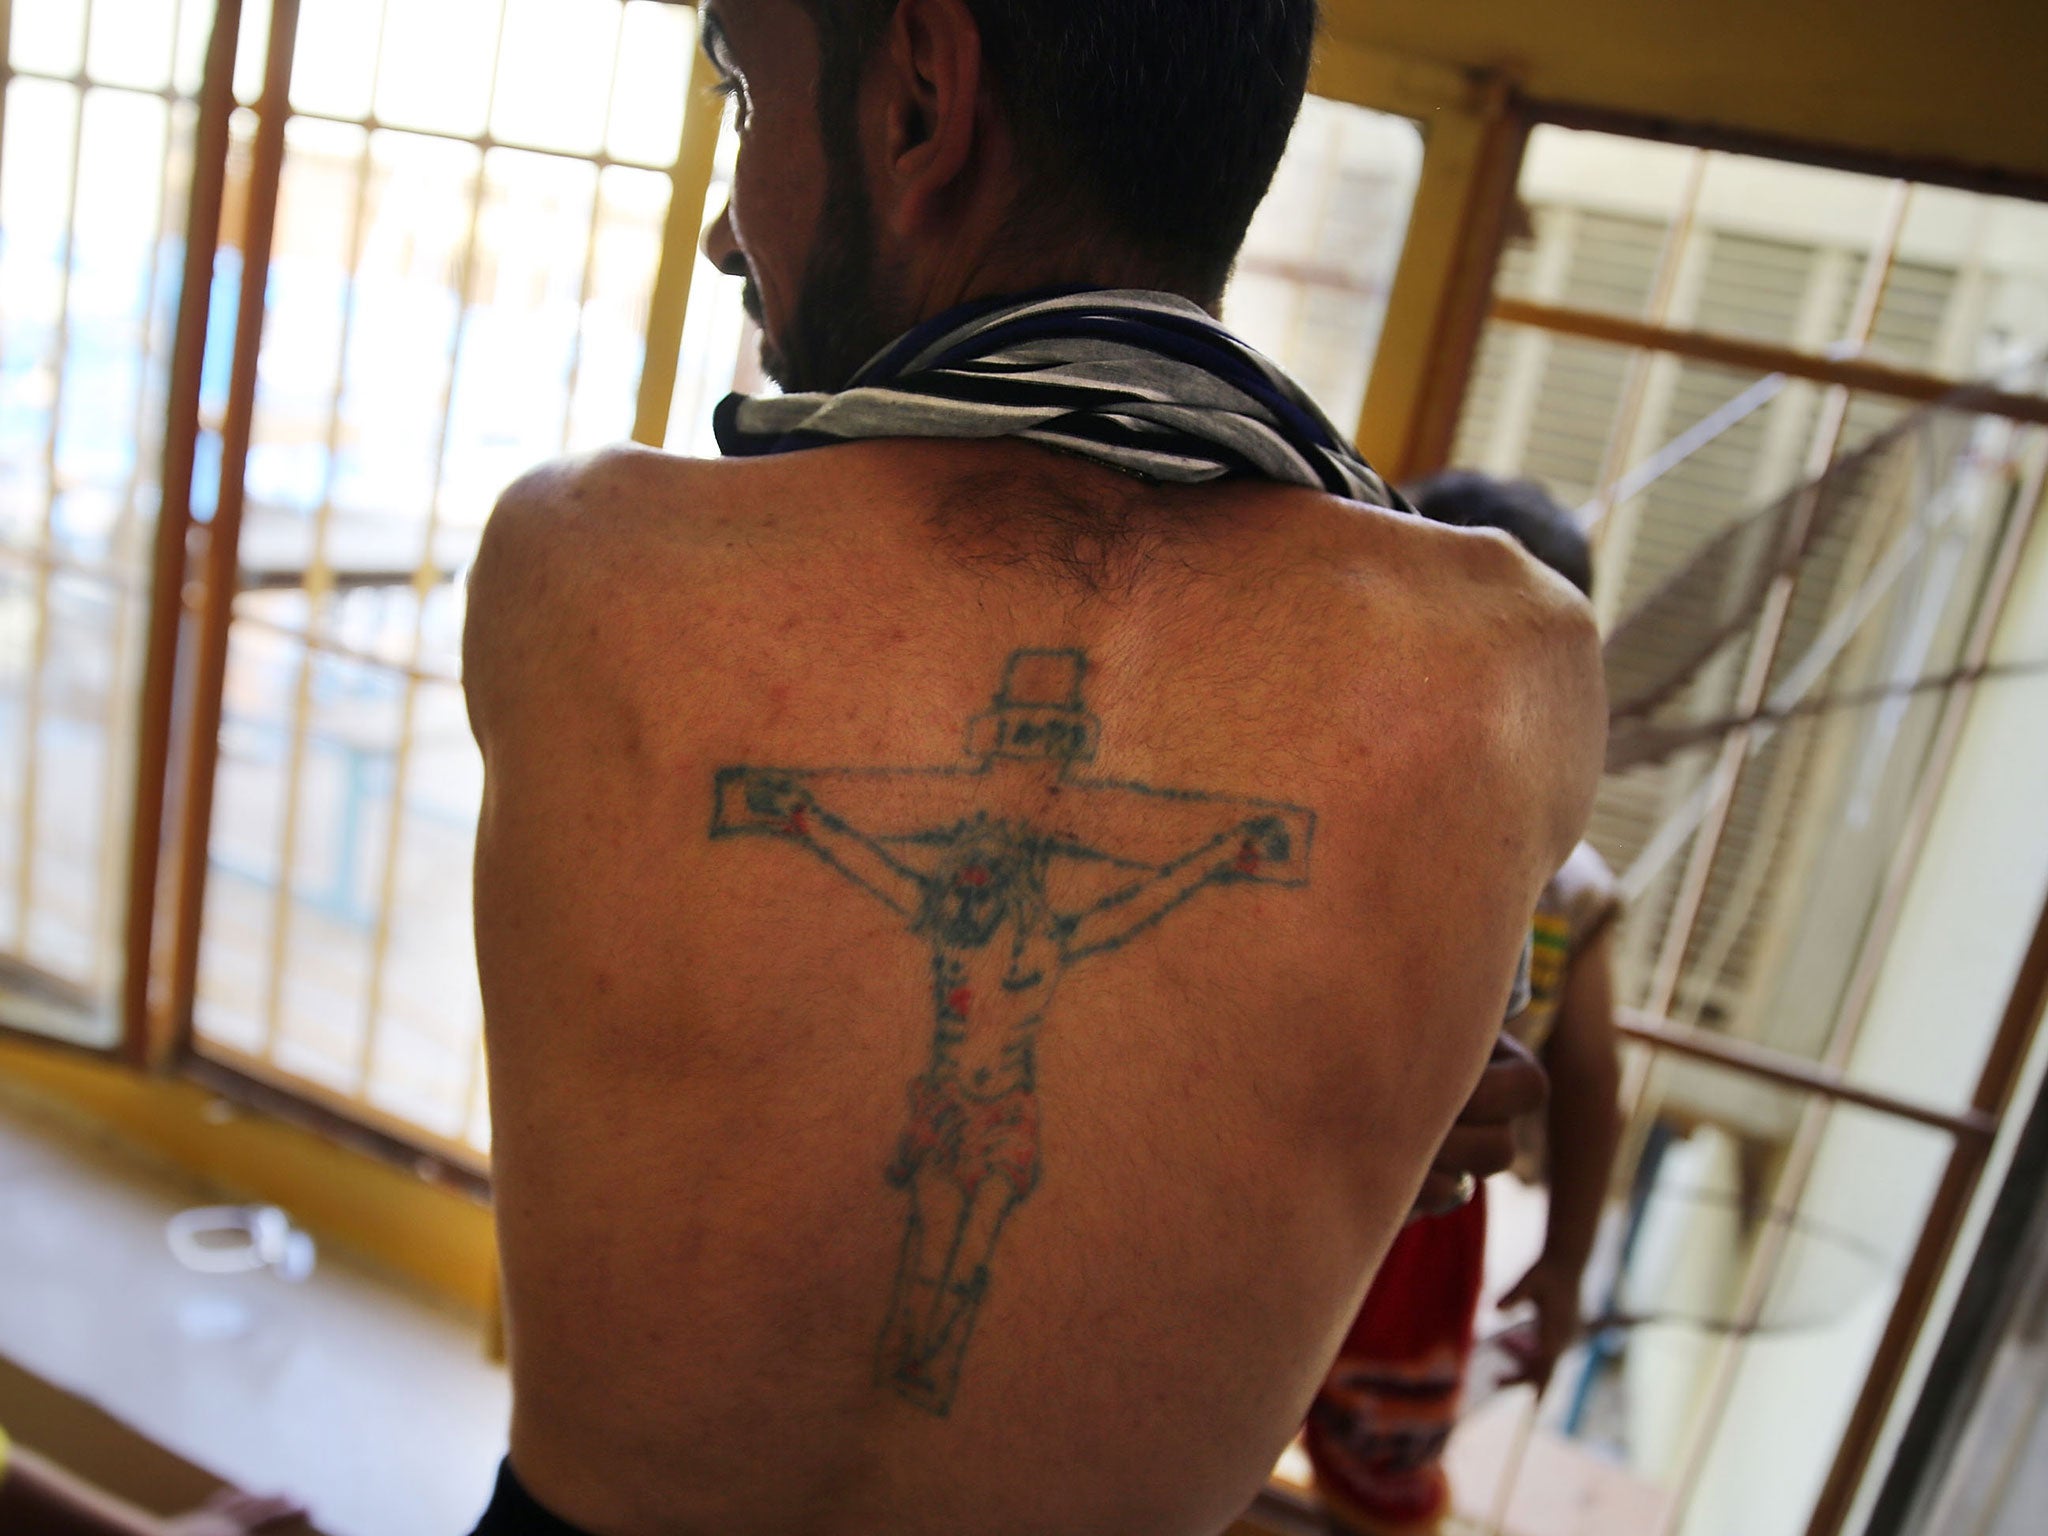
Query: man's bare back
x: 949, y: 918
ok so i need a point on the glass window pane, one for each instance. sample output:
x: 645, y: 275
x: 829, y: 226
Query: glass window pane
x: 407, y: 307
x: 195, y: 29
x: 334, y: 67
x: 48, y: 37
x: 252, y: 53
x: 656, y: 53
x: 427, y: 1046
x: 1794, y: 1384
x: 555, y: 73
x: 1611, y: 1438
x: 632, y: 209
x: 92, y: 210
x: 244, y: 871
x: 119, y: 235
x: 441, y: 316
x: 437, y: 64
x: 35, y: 258
x: 133, y: 42
x: 1896, y: 554
x: 721, y: 349
x: 1311, y: 286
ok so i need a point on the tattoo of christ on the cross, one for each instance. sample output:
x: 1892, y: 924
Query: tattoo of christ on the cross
x: 1004, y: 902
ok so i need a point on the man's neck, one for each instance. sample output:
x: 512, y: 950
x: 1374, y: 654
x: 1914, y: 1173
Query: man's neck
x: 968, y: 272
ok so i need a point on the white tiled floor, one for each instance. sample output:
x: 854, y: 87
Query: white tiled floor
x: 376, y: 1409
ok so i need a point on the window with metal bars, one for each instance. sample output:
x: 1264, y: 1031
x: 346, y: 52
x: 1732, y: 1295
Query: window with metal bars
x: 1545, y: 406
x: 472, y: 211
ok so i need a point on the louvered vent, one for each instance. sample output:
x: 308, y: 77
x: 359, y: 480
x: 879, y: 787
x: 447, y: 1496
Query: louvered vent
x: 1544, y: 406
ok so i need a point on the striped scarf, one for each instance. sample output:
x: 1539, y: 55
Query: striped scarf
x: 1144, y: 382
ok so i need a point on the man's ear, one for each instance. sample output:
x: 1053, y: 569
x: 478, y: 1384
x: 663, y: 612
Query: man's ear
x: 931, y: 95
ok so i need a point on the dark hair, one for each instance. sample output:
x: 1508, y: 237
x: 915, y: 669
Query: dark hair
x: 1522, y: 509
x: 1164, y: 119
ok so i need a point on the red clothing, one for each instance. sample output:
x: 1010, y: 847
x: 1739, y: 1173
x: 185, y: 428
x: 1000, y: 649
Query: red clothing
x: 1377, y: 1429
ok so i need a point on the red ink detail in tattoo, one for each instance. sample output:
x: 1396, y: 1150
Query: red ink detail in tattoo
x: 972, y: 884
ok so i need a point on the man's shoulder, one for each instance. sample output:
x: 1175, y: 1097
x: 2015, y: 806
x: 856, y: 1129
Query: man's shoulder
x: 1468, y: 607
x: 566, y: 548
x: 1492, y: 664
x: 591, y: 502
x: 621, y: 521
x: 619, y: 508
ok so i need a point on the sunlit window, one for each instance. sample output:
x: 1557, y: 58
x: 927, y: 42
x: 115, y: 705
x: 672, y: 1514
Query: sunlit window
x: 1311, y: 287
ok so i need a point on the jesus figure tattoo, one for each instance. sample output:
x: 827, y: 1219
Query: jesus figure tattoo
x: 1003, y: 904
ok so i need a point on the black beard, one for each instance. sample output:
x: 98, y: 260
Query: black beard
x: 839, y: 321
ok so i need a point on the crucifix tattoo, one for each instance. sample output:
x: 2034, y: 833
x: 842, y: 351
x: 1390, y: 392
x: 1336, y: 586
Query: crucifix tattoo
x: 1004, y: 902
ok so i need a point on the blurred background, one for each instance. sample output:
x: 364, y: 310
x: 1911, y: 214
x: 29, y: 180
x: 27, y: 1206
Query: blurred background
x: 289, y: 291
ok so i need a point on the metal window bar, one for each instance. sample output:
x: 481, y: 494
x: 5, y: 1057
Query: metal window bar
x: 318, y: 583
x: 57, y: 563
x: 1636, y: 384
x: 1996, y: 1086
x: 1819, y: 1080
x: 1972, y: 1129
x: 1935, y: 1480
x: 1770, y: 626
x: 704, y: 112
x: 39, y: 646
x: 587, y: 285
x: 1887, y: 911
x: 6, y: 65
x: 152, y: 1020
x: 218, y: 567
x: 424, y: 579
x: 484, y: 141
x: 99, y: 868
x: 344, y: 1118
x: 1761, y: 721
x: 1655, y: 466
x: 326, y: 645
x: 2003, y: 1062
x: 1716, y: 794
x: 83, y: 80
x: 1766, y: 1262
x: 1859, y: 374
x: 122, y: 544
x: 213, y: 616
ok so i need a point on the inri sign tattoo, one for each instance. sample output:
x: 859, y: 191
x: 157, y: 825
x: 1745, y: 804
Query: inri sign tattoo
x: 1004, y: 903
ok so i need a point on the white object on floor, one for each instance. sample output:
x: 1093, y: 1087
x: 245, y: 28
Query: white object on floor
x: 373, y: 1407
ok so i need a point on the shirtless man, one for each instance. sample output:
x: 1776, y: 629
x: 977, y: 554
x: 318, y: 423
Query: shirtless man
x: 896, y: 1134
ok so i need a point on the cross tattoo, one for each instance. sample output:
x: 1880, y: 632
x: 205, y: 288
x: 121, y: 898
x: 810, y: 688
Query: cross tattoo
x: 1004, y: 901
